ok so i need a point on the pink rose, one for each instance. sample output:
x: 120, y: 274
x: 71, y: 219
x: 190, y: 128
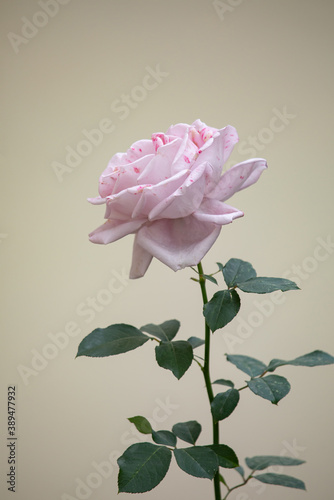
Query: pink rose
x: 170, y: 192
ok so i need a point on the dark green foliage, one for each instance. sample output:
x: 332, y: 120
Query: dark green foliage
x: 221, y: 309
x: 224, y: 404
x: 114, y: 339
x: 198, y: 461
x: 176, y: 356
x: 187, y: 431
x: 272, y: 387
x: 142, y: 467
x: 280, y: 480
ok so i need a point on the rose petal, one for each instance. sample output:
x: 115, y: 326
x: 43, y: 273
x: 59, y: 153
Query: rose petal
x: 237, y: 178
x: 160, y: 139
x: 178, y: 243
x: 113, y: 230
x: 117, y: 160
x: 185, y: 156
x: 178, y: 130
x: 141, y: 259
x: 199, y: 125
x: 159, y: 168
x: 108, y: 177
x: 217, y: 212
x: 225, y: 138
x: 122, y: 177
x: 216, y: 151
x: 97, y: 201
x: 119, y: 208
x: 123, y: 203
x: 186, y: 199
x: 139, y: 149
x: 151, y: 195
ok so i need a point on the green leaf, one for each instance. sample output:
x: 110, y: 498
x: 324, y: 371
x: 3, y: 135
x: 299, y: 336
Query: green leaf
x: 142, y: 467
x: 280, y: 480
x: 237, y: 271
x: 221, y: 309
x: 198, y: 461
x: 276, y: 363
x: 267, y: 285
x: 263, y: 461
x: 165, y: 331
x: 210, y: 278
x: 196, y: 342
x: 114, y: 339
x: 241, y: 471
x: 142, y: 424
x: 164, y: 437
x: 226, y: 456
x: 251, y: 366
x: 224, y: 403
x: 271, y: 387
x: 222, y: 381
x: 176, y: 356
x: 315, y: 358
x: 187, y: 431
x: 222, y: 480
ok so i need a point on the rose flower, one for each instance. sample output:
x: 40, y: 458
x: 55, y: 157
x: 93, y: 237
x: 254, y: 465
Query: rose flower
x: 170, y: 192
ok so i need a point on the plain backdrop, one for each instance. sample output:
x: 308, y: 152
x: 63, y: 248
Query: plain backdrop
x: 131, y: 68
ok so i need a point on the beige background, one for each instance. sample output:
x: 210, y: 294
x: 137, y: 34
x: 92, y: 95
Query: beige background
x: 242, y: 63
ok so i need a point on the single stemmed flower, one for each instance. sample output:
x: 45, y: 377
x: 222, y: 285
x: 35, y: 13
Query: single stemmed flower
x: 170, y: 192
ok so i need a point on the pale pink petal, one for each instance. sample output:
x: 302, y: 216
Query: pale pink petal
x: 118, y: 178
x: 123, y: 202
x: 216, y: 151
x: 178, y: 243
x: 237, y: 178
x: 107, y: 183
x: 201, y: 134
x: 117, y: 160
x: 217, y: 212
x: 138, y: 200
x: 137, y: 150
x: 185, y: 156
x: 160, y: 139
x: 186, y: 199
x: 220, y: 146
x: 117, y: 208
x: 178, y: 130
x: 151, y: 195
x: 97, y: 201
x: 113, y: 230
x: 140, y: 148
x: 159, y: 168
x: 141, y: 259
x: 108, y: 177
x: 199, y: 125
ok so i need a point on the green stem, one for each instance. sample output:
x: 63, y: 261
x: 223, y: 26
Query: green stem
x: 206, y: 373
x: 237, y: 486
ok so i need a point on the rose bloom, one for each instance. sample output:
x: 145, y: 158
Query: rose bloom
x: 170, y: 192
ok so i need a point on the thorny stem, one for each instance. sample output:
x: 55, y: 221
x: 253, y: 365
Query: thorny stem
x: 206, y: 373
x: 208, y: 384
